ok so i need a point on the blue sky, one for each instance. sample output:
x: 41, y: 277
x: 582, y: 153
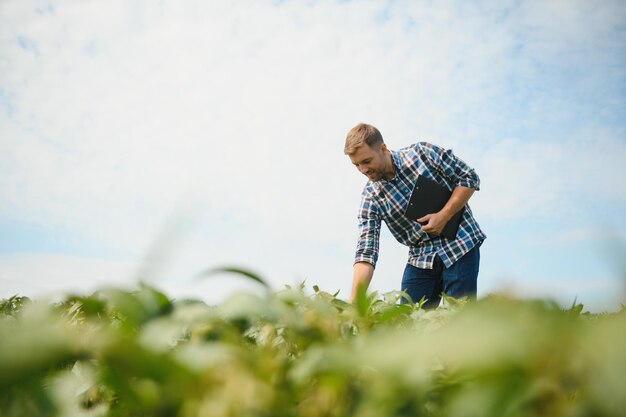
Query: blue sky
x: 154, y: 140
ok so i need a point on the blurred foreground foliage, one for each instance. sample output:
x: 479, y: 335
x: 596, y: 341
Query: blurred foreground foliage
x: 287, y: 353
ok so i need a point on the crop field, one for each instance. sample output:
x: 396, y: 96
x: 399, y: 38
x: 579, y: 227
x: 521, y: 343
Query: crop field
x: 300, y: 352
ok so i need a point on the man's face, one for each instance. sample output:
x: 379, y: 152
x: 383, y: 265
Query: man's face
x: 370, y: 161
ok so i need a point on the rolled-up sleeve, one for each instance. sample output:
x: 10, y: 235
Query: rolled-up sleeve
x: 451, y: 166
x: 369, y: 231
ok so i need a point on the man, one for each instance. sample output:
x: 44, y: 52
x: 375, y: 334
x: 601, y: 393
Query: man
x: 435, y: 264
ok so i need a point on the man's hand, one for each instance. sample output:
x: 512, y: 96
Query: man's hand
x: 433, y: 223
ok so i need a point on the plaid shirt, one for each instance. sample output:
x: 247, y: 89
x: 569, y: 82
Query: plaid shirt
x: 386, y: 200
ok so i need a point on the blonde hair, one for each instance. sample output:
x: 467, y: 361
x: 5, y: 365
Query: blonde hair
x: 359, y: 135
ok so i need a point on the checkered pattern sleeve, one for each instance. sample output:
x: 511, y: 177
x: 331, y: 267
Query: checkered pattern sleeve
x: 369, y: 230
x: 455, y: 170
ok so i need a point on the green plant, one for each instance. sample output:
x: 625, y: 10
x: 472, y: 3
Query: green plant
x: 290, y: 353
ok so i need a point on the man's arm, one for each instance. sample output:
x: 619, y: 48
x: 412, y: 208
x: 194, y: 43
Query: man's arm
x: 367, y: 246
x: 362, y: 276
x: 435, y: 222
x: 457, y: 172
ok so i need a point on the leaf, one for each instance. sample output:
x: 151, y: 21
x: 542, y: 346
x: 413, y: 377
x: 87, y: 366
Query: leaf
x: 13, y: 305
x: 392, y: 313
x: 363, y: 302
x: 235, y: 270
x: 41, y: 341
x: 248, y: 307
x: 576, y: 309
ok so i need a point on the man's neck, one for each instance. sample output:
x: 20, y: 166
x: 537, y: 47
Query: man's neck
x: 389, y: 171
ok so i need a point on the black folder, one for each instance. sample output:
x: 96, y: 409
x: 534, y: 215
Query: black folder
x: 429, y: 197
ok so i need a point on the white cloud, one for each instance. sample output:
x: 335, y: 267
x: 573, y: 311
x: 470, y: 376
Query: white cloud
x: 553, y: 178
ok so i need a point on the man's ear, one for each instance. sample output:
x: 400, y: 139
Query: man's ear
x: 383, y: 147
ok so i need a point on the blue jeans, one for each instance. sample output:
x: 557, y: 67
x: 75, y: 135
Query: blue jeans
x: 456, y: 281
